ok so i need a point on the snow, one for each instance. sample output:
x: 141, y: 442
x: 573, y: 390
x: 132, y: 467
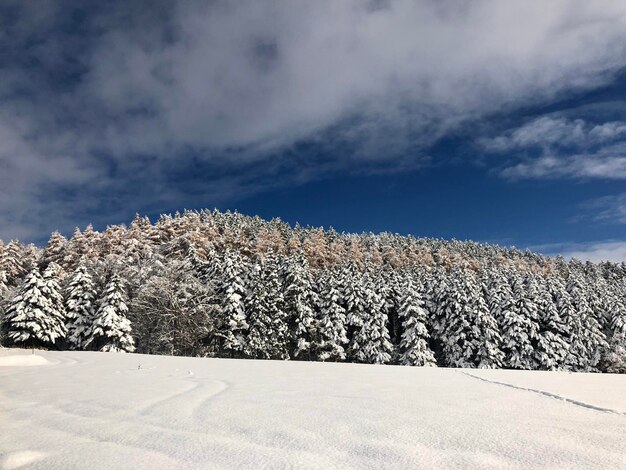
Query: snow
x: 106, y: 410
x: 22, y: 360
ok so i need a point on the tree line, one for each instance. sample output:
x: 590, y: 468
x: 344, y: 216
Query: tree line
x: 219, y: 284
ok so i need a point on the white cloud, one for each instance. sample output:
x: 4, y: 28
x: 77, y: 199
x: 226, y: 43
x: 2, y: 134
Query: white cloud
x: 547, y: 132
x: 608, y: 163
x: 610, y: 250
x: 231, y: 83
x: 607, y: 209
x: 567, y: 149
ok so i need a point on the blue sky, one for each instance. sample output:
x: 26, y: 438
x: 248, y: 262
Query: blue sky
x: 493, y: 121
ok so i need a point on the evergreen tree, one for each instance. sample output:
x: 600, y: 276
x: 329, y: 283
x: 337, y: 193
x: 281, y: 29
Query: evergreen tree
x: 331, y: 330
x: 14, y: 263
x: 300, y: 300
x: 489, y: 354
x: 32, y: 319
x: 53, y: 290
x: 573, y: 327
x: 553, y: 349
x: 111, y: 329
x: 520, y: 328
x: 499, y: 295
x: 371, y: 343
x: 591, y: 346
x: 231, y: 324
x: 4, y: 282
x: 468, y: 332
x: 614, y: 359
x: 268, y: 333
x: 414, y: 349
x: 55, y: 250
x: 80, y: 307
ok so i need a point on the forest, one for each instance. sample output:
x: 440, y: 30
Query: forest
x: 222, y: 284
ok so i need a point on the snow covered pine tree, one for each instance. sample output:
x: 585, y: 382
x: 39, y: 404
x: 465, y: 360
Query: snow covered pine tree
x: 111, y: 330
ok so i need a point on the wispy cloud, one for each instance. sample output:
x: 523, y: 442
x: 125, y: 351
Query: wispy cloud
x: 101, y: 103
x: 607, y: 209
x: 557, y: 147
x: 607, y: 163
x: 548, y: 132
x: 608, y: 250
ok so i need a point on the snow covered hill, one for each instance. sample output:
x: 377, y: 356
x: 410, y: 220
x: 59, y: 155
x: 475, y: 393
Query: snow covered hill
x: 63, y: 410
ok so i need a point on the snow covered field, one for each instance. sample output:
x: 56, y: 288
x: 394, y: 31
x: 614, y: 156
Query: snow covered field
x: 104, y: 410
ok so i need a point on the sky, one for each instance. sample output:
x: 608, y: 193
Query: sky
x: 502, y: 122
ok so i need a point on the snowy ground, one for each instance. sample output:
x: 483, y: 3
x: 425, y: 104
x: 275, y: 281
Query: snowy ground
x: 105, y: 410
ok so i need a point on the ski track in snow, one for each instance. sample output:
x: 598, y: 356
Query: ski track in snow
x: 107, y: 410
x: 547, y: 394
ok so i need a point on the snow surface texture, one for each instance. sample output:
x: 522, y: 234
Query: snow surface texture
x: 105, y: 410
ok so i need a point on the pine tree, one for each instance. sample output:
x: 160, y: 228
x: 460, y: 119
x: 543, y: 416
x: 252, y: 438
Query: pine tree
x: 351, y: 282
x: 388, y: 284
x: 553, y: 349
x: 499, y: 295
x: 80, y: 307
x: 414, y: 349
x: 231, y: 324
x: 520, y: 328
x: 572, y: 325
x: 53, y: 290
x: 55, y: 250
x: 371, y: 343
x: 468, y: 332
x: 111, y: 329
x: 489, y: 354
x: 614, y: 360
x: 438, y: 289
x: 332, y: 336
x: 14, y: 263
x: 4, y: 282
x: 588, y: 350
x: 268, y: 333
x: 300, y: 300
x: 32, y: 319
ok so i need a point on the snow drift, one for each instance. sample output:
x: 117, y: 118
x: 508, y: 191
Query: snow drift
x: 105, y: 410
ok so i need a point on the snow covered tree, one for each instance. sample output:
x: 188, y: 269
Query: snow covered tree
x: 614, y: 359
x: 231, y: 325
x: 371, y: 343
x: 32, y: 319
x: 587, y: 351
x: 300, y: 300
x: 4, y: 282
x: 267, y: 334
x: 14, y: 263
x: 489, y: 354
x: 499, y: 295
x: 573, y: 327
x: 332, y: 336
x: 55, y: 250
x: 351, y: 282
x: 468, y: 332
x: 520, y: 327
x: 53, y: 289
x: 80, y: 305
x: 111, y: 329
x: 552, y: 349
x: 414, y: 349
x: 173, y: 312
x: 388, y: 286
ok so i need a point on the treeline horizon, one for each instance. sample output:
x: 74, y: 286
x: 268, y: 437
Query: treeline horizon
x: 207, y: 283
